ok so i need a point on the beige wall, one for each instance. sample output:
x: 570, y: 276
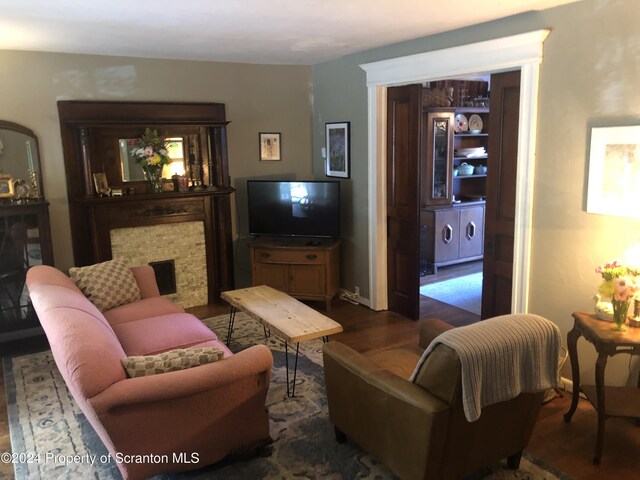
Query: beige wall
x: 257, y: 97
x: 589, y: 77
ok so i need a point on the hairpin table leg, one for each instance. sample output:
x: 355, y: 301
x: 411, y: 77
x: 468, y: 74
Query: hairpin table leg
x: 291, y: 392
x: 232, y: 318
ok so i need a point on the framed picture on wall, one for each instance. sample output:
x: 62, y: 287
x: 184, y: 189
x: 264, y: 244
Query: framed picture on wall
x: 614, y: 171
x: 269, y: 147
x: 337, y: 145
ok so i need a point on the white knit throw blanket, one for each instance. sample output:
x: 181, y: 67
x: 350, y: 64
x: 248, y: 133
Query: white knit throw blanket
x: 502, y: 357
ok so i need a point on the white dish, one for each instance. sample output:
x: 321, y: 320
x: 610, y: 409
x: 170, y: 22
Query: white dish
x: 460, y: 123
x: 471, y: 152
x: 475, y: 123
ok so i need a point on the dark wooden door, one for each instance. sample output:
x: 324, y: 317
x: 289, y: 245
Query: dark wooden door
x: 501, y: 194
x: 404, y: 113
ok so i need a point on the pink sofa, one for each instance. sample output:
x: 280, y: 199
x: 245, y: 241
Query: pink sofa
x: 212, y: 410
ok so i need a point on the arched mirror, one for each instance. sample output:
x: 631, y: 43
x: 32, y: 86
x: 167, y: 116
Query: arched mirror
x: 20, y: 172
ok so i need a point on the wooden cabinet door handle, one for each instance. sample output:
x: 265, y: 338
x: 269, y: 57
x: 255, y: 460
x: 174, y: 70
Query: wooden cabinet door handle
x: 312, y: 256
x: 471, y: 230
x: 447, y: 233
x: 265, y: 255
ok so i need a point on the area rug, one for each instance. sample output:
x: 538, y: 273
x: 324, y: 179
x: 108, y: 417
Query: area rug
x: 43, y: 418
x: 462, y: 292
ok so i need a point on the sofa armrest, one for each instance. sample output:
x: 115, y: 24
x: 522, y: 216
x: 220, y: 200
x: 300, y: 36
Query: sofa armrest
x: 146, y: 279
x: 430, y: 329
x: 210, y: 411
x: 248, y: 363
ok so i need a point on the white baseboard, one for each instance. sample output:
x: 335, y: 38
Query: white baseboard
x: 567, y: 385
x: 356, y: 298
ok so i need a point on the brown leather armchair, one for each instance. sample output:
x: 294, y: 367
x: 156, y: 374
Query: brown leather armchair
x: 419, y: 430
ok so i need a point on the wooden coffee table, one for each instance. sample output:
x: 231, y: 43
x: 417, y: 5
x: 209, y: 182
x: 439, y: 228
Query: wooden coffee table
x: 292, y: 321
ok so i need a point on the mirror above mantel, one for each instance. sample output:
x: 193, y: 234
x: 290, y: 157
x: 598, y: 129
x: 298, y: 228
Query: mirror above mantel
x: 96, y: 137
x: 131, y: 169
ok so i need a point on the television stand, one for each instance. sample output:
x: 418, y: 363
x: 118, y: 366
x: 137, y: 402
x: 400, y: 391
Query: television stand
x: 306, y: 269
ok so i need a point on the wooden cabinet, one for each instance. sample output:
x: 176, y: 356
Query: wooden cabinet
x: 25, y: 241
x: 305, y: 269
x: 453, y: 234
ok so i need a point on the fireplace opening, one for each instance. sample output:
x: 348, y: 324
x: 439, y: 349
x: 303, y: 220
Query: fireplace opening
x: 165, y: 271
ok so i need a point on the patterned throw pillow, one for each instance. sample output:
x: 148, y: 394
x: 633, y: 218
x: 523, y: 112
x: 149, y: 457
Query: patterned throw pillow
x: 171, y: 361
x: 107, y: 284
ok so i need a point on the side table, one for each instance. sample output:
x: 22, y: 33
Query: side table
x: 620, y: 401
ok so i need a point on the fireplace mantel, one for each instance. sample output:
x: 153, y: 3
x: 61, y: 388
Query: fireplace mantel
x: 86, y: 134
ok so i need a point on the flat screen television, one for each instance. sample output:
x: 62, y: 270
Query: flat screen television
x: 294, y: 209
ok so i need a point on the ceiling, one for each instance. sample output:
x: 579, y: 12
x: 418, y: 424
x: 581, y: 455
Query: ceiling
x: 250, y: 31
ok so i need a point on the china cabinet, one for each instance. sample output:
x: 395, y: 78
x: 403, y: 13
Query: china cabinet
x: 453, y: 185
x: 25, y: 233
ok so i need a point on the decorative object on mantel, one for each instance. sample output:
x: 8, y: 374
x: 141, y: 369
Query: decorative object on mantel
x: 150, y: 151
x: 619, y: 284
x: 21, y: 191
x: 6, y: 186
x: 196, y: 173
x: 33, y: 176
x: 101, y: 184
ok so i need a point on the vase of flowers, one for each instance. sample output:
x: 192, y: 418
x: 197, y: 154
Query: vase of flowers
x: 619, y: 284
x: 150, y: 151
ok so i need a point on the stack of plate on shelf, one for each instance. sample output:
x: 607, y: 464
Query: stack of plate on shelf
x: 471, y: 152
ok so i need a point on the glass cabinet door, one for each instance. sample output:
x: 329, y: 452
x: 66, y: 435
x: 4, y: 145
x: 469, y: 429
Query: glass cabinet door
x: 438, y: 152
x: 24, y: 242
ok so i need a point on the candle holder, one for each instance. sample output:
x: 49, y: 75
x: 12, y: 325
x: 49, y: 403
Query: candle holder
x: 35, y: 188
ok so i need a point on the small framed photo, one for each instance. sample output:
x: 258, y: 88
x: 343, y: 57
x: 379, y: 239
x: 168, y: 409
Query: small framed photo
x: 614, y: 171
x: 269, y: 147
x: 337, y: 143
x: 101, y: 184
x: 6, y: 186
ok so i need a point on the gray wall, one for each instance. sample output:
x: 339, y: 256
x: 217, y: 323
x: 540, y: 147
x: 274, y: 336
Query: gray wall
x: 258, y: 98
x: 589, y: 77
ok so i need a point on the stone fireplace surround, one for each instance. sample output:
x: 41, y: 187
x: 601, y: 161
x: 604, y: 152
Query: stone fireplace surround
x: 181, y: 242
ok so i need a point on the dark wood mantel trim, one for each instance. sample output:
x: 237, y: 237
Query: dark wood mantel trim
x: 78, y: 113
x: 150, y: 197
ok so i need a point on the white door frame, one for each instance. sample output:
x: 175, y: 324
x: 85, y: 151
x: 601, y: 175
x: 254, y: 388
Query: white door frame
x: 524, y: 52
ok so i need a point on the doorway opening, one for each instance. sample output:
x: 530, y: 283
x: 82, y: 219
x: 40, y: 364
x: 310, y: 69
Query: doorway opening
x: 453, y: 191
x: 524, y: 52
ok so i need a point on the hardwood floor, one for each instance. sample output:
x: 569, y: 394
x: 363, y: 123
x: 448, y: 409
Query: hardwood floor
x: 566, y: 447
x: 430, y: 308
x: 452, y: 271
